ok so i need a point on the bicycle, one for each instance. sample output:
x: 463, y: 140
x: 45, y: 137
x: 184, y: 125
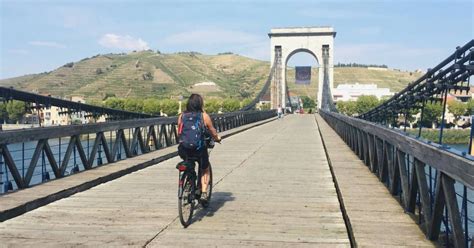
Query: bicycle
x: 189, y: 189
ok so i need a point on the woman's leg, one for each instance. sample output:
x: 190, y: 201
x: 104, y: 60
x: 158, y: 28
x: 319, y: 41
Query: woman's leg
x: 205, y: 169
x: 205, y: 179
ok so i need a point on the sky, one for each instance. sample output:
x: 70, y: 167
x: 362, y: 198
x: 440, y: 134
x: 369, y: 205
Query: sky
x: 40, y: 35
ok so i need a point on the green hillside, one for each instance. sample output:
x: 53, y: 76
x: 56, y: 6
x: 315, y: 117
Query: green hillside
x: 151, y: 74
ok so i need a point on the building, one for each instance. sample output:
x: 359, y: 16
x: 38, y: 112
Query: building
x: 351, y: 92
x: 56, y: 116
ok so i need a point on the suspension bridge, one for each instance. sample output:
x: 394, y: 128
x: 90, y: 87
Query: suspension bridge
x: 303, y: 180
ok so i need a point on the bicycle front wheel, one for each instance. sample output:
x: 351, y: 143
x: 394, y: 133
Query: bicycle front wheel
x: 186, y: 201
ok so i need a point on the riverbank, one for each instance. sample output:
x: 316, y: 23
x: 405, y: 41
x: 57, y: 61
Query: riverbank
x: 450, y: 136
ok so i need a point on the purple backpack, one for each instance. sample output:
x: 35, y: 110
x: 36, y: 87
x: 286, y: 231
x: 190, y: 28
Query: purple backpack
x: 191, y: 130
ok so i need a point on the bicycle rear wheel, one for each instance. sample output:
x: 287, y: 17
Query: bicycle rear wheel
x: 186, y: 201
x: 209, y: 189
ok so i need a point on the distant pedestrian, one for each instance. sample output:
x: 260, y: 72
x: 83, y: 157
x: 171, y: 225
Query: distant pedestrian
x: 280, y: 112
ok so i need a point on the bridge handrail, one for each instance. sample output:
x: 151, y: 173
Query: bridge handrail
x: 48, y: 101
x: 404, y: 164
x: 457, y: 167
x: 143, y: 136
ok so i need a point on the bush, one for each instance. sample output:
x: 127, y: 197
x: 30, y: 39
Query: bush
x: 99, y: 71
x: 169, y: 107
x: 151, y: 106
x: 133, y: 105
x: 147, y: 76
x: 212, y: 105
x: 230, y: 105
x: 69, y: 65
x: 115, y: 103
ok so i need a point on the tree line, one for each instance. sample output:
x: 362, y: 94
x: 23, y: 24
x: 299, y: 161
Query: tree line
x: 169, y: 107
x: 431, y: 114
x: 359, y: 65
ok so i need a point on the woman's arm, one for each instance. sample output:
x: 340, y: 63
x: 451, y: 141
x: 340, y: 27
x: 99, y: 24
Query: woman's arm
x: 179, y: 124
x: 210, y: 127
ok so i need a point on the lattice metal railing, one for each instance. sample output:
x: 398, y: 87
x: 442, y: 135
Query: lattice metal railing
x: 33, y: 156
x: 424, y: 175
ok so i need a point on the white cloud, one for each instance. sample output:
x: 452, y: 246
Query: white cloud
x: 125, y: 42
x: 18, y: 51
x: 47, y: 44
x: 211, y: 37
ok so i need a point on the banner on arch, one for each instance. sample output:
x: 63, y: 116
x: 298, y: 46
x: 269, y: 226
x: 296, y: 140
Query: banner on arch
x: 303, y: 74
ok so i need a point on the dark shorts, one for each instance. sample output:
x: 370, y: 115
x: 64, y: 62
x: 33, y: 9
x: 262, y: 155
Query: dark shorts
x: 201, y: 155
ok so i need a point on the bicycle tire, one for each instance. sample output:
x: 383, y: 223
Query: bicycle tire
x: 209, y: 189
x: 186, y: 202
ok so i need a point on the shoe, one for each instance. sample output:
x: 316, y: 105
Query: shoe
x: 204, y: 196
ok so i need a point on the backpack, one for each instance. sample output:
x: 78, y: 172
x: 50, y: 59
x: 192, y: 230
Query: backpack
x: 191, y: 130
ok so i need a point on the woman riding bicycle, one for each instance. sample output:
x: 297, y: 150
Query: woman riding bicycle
x: 194, y: 114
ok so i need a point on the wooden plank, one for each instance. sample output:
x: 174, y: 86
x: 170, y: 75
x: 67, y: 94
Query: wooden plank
x: 105, y: 147
x: 453, y: 210
x: 67, y: 154
x: 82, y: 154
x: 12, y: 167
x: 438, y: 208
x: 423, y: 190
x: 375, y: 216
x: 34, y: 161
x: 52, y: 160
x: 403, y: 177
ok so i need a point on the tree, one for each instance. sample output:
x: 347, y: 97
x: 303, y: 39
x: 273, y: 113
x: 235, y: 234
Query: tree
x: 470, y: 107
x: 133, y: 105
x: 458, y: 109
x: 346, y: 107
x: 366, y: 103
x: 432, y: 114
x: 230, y: 105
x: 246, y: 102
x: 151, y: 106
x: 115, y: 103
x: 15, y: 110
x: 212, y: 105
x: 3, y: 112
x: 169, y: 107
x: 308, y: 103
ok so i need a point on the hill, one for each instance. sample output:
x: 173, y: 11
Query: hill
x: 151, y: 74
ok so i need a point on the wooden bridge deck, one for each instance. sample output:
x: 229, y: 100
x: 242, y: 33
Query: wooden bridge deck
x: 273, y: 187
x: 375, y: 216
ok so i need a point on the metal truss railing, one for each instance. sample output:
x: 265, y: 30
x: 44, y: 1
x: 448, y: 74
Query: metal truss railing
x: 424, y: 175
x: 451, y: 75
x: 41, y: 101
x: 32, y: 156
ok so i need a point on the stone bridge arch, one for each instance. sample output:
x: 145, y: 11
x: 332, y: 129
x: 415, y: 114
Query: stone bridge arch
x: 285, y: 42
